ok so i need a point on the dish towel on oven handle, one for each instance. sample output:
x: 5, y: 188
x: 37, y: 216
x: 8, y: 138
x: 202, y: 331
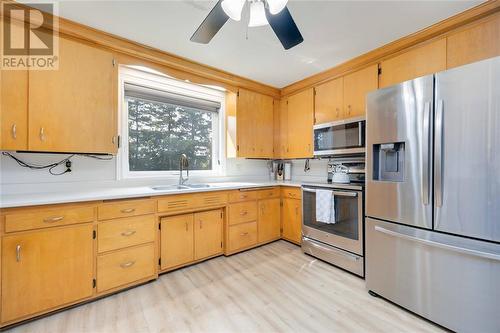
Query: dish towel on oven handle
x: 325, y: 206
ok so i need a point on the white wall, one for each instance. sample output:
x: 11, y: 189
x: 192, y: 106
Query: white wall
x: 88, y: 173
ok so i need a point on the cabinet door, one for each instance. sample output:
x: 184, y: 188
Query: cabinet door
x: 269, y: 220
x: 476, y: 43
x: 420, y: 61
x: 300, y: 124
x: 276, y: 128
x: 254, y: 124
x: 13, y: 108
x: 356, y: 86
x: 292, y: 220
x: 45, y: 269
x: 207, y: 234
x: 329, y: 101
x: 72, y: 109
x: 283, y: 138
x: 176, y: 240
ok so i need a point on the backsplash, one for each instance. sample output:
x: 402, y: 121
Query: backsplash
x: 90, y: 173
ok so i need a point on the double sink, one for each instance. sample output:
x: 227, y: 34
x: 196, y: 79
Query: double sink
x: 180, y: 187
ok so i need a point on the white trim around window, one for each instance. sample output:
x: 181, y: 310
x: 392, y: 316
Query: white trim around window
x: 150, y: 79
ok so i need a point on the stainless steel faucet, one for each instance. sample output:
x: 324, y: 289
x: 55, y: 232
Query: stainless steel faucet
x: 183, y: 164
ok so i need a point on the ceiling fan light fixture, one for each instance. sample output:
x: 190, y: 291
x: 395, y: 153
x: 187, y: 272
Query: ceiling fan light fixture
x: 276, y: 6
x: 257, y: 14
x: 233, y: 8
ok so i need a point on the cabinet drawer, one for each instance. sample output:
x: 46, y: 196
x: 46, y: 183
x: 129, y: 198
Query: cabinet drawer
x: 210, y: 199
x: 267, y: 194
x: 291, y: 192
x: 242, y: 236
x: 176, y: 203
x: 238, y: 196
x: 117, y: 234
x: 113, y: 210
x: 125, y: 266
x: 44, y: 218
x: 242, y: 212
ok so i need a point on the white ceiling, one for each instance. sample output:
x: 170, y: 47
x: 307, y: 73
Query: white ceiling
x: 334, y: 31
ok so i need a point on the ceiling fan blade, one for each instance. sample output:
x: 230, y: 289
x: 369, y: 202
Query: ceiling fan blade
x: 210, y: 25
x: 285, y: 28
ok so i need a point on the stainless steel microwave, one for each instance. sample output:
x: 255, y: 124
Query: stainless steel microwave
x: 340, y: 137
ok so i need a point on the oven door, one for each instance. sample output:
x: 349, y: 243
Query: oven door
x: 341, y: 137
x: 347, y: 232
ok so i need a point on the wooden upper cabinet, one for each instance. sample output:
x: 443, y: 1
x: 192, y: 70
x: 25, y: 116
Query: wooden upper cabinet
x: 419, y: 61
x: 254, y: 124
x: 356, y: 86
x: 475, y: 43
x: 300, y: 124
x: 329, y: 101
x: 283, y: 135
x: 14, y: 107
x: 73, y: 108
x: 46, y: 269
x: 14, y: 110
x: 276, y: 128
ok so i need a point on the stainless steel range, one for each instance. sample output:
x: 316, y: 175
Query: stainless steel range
x: 332, y: 216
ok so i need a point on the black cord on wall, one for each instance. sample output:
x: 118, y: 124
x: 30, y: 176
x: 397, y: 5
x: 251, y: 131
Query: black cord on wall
x: 66, y: 161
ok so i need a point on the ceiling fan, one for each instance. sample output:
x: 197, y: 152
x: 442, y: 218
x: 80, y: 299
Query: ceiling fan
x: 262, y: 12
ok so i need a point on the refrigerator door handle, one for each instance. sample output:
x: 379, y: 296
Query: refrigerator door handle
x: 486, y: 255
x: 438, y: 163
x: 425, y: 153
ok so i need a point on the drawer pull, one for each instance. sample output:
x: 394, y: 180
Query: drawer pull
x: 243, y: 196
x: 18, y: 253
x: 128, y: 210
x: 14, y: 131
x: 128, y: 233
x: 127, y: 264
x: 243, y: 213
x: 53, y: 219
x: 244, y: 233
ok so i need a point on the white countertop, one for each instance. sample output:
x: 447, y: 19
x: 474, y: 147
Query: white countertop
x: 21, y: 200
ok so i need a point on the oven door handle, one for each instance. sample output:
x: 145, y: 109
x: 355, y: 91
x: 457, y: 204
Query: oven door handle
x: 339, y: 193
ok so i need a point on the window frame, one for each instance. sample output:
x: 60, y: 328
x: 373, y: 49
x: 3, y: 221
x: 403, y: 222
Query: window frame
x: 156, y: 80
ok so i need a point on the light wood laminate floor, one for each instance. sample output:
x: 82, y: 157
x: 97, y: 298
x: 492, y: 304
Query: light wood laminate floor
x: 274, y: 288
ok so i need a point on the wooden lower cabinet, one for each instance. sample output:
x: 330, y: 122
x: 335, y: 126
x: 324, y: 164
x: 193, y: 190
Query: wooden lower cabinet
x: 292, y: 220
x: 190, y: 237
x: 123, y: 267
x: 242, y: 236
x: 207, y: 234
x: 177, y: 242
x: 269, y: 220
x: 46, y: 269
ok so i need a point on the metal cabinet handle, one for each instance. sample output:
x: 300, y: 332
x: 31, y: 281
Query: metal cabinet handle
x: 291, y: 194
x: 42, y: 134
x: 244, y: 234
x: 438, y: 163
x: 349, y: 109
x: 128, y: 210
x: 18, y: 253
x: 53, y: 219
x: 337, y: 109
x: 243, y: 213
x: 201, y: 224
x: 14, y: 131
x: 128, y: 233
x: 186, y: 226
x: 127, y: 264
x: 428, y: 242
x: 425, y: 153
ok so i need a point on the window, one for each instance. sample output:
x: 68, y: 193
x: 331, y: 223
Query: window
x: 162, y: 119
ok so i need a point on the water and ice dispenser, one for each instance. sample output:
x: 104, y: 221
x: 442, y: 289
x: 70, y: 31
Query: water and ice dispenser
x: 389, y: 161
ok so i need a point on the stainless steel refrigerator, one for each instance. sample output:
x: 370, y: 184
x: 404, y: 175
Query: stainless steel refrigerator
x: 433, y: 196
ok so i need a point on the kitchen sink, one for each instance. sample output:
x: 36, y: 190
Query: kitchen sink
x: 179, y: 187
x: 198, y: 185
x: 169, y: 187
